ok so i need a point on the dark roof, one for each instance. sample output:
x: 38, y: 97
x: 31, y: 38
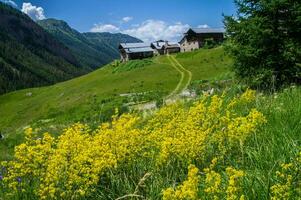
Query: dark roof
x: 208, y: 30
x: 137, y: 50
x: 175, y: 45
x: 158, y: 44
x: 135, y: 47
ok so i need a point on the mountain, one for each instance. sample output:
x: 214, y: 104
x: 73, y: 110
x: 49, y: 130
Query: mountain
x: 91, y: 49
x: 30, y: 56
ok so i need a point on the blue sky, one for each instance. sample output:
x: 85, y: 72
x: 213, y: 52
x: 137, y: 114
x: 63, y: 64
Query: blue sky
x: 147, y: 19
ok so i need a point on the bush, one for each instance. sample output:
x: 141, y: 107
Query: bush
x: 73, y: 165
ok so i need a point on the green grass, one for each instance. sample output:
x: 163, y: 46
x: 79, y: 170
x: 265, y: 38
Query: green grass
x: 275, y: 143
x: 83, y: 99
x: 92, y: 98
x: 278, y: 142
x: 206, y: 64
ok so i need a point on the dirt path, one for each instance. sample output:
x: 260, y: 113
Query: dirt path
x: 185, y: 80
x: 182, y: 85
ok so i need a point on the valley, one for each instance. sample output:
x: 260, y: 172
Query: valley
x: 121, y: 100
x: 92, y: 98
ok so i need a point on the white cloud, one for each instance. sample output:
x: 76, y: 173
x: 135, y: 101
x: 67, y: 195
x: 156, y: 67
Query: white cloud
x: 152, y: 30
x: 9, y: 2
x: 36, y: 13
x: 203, y: 26
x: 127, y: 19
x: 105, y: 28
x: 149, y: 30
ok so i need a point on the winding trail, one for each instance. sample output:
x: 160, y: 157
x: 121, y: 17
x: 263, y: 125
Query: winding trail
x: 185, y: 80
x: 182, y: 85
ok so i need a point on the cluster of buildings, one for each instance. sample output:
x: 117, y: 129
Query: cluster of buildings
x: 194, y: 38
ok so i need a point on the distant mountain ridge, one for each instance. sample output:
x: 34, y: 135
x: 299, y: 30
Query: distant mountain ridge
x: 34, y: 54
x: 91, y: 49
x: 30, y: 56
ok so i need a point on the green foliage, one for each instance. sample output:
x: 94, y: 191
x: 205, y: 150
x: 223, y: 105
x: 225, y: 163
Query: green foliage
x: 210, y: 43
x: 265, y: 42
x: 30, y: 57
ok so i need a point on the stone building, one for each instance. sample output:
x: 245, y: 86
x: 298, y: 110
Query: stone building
x: 195, y: 38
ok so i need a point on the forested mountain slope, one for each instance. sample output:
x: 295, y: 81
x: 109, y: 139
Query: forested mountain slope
x: 91, y: 49
x: 29, y: 56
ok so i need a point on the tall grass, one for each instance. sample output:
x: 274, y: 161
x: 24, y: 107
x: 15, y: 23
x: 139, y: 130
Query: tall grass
x: 276, y: 142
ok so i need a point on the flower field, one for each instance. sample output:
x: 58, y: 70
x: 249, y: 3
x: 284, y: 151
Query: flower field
x: 208, y: 149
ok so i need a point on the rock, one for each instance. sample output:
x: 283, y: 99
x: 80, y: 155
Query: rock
x: 28, y: 94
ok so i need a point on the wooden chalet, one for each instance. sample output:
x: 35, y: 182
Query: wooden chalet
x: 132, y: 51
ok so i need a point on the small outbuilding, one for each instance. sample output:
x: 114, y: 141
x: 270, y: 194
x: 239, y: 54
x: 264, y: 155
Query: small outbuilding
x: 170, y: 48
x: 132, y: 51
x: 162, y: 47
x: 158, y: 47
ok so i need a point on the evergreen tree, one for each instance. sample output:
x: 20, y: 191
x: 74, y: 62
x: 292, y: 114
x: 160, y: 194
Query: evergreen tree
x: 265, y: 41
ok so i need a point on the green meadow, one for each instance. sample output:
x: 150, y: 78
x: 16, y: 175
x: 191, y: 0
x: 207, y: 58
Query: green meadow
x: 93, y: 98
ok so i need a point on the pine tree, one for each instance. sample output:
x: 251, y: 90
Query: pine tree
x: 265, y: 42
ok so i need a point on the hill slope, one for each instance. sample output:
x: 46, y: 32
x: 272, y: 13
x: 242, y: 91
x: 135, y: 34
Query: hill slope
x: 92, y: 49
x: 29, y: 56
x: 92, y: 98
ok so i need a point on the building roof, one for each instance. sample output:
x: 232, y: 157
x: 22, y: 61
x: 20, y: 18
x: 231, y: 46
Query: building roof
x: 134, y: 45
x: 174, y: 45
x: 137, y: 50
x: 207, y: 30
x: 158, y: 44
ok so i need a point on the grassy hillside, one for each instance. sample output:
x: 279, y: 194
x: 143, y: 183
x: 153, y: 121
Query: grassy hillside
x: 27, y: 62
x: 92, y: 98
x: 232, y: 145
x: 214, y: 65
x: 91, y: 49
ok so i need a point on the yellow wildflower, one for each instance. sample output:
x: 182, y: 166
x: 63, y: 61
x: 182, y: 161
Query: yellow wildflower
x: 188, y: 190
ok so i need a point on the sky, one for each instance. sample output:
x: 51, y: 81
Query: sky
x: 148, y: 20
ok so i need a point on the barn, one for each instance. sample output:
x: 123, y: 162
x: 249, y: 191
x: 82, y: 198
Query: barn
x: 132, y: 51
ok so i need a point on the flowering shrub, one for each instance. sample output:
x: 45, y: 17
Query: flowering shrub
x: 186, y: 135
x: 71, y: 166
x: 214, y: 189
x: 189, y: 188
x: 289, y: 181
